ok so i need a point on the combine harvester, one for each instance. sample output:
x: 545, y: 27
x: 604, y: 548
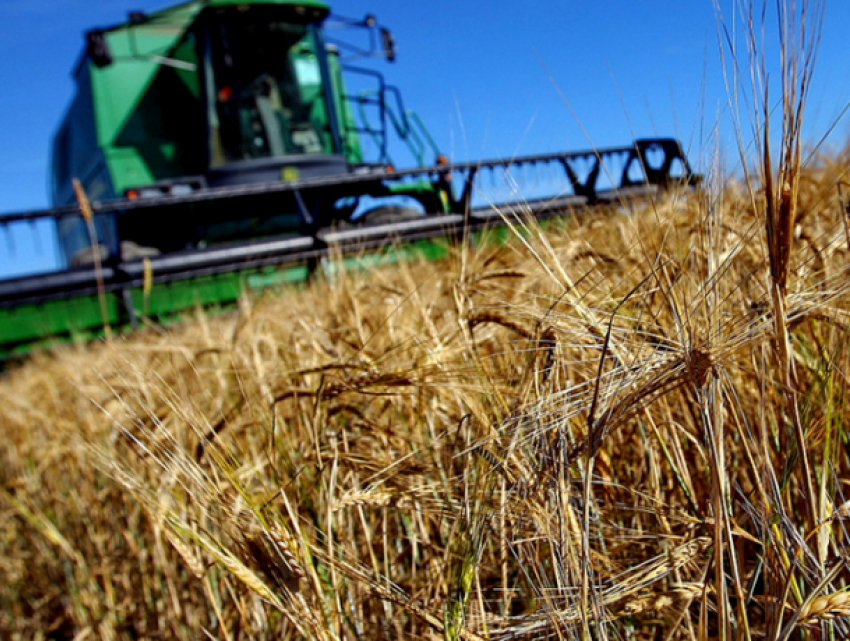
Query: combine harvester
x: 221, y: 150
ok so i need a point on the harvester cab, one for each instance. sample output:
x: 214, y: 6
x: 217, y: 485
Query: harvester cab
x: 213, y: 95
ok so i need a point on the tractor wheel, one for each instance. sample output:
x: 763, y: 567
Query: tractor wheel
x: 388, y: 214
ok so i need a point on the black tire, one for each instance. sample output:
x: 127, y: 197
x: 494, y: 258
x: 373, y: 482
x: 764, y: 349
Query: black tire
x: 388, y: 214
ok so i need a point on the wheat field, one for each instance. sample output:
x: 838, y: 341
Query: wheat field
x: 586, y: 429
x: 628, y: 424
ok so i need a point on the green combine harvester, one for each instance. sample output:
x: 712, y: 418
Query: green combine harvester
x: 220, y: 150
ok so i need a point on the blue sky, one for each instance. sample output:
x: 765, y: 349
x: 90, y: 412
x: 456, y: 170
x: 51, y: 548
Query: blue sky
x: 490, y: 79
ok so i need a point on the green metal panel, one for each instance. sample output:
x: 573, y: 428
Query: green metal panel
x: 187, y: 52
x: 80, y: 318
x: 60, y: 319
x: 137, y: 51
x: 170, y: 142
x: 350, y: 137
x: 429, y: 249
x: 127, y: 169
x: 168, y: 301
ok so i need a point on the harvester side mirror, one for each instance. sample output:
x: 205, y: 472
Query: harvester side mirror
x: 388, y: 43
x: 98, y: 49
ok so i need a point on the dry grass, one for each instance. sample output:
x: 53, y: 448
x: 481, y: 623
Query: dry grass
x: 405, y: 453
x: 628, y: 425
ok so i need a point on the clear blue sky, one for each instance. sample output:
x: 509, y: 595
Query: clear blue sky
x: 482, y: 76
